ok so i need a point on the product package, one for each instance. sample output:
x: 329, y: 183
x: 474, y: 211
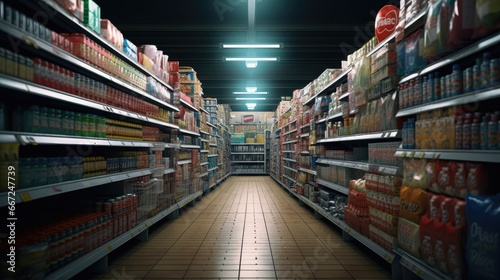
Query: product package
x: 414, y: 59
x: 409, y: 237
x: 482, y: 247
x: 413, y: 204
x: 455, y: 237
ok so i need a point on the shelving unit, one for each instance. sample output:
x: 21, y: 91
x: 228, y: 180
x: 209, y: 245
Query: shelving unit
x: 250, y: 149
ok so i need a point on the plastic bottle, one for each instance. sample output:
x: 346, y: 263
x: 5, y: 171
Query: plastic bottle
x: 494, y: 72
x: 468, y: 80
x: 34, y: 116
x: 467, y: 131
x: 459, y: 132
x: 483, y: 133
x: 475, y: 140
x: 91, y: 125
x: 58, y: 122
x: 42, y: 172
x: 476, y: 75
x: 456, y: 80
x: 493, y: 132
x: 485, y: 70
x: 44, y: 120
x: 78, y: 124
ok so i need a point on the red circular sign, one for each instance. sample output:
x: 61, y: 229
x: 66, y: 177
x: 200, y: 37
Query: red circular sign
x: 386, y: 21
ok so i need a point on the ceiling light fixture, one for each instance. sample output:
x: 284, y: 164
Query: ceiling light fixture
x: 251, y: 63
x: 251, y: 89
x: 251, y: 59
x: 251, y: 46
x: 250, y: 98
x: 247, y: 92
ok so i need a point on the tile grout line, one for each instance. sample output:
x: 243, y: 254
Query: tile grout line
x: 243, y: 237
x: 267, y: 233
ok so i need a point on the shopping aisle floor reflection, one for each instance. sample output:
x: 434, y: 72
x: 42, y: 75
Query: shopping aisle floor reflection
x: 247, y: 228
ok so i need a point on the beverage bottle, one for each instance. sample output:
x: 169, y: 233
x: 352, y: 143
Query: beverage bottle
x: 475, y: 140
x: 476, y: 75
x: 485, y: 70
x: 493, y: 132
x: 483, y: 132
x: 459, y: 133
x: 456, y: 80
x: 467, y: 131
x: 44, y: 120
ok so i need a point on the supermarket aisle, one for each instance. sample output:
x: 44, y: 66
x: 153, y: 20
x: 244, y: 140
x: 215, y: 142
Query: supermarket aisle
x: 247, y: 228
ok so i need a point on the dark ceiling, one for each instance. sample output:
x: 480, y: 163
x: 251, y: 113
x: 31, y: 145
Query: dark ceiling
x: 315, y: 34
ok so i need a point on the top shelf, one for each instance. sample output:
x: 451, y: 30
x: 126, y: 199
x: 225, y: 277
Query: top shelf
x: 74, y: 25
x: 476, y: 47
x: 329, y: 86
x: 186, y: 104
x: 391, y: 134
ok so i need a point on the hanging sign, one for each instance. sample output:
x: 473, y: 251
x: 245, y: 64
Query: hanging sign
x: 386, y: 21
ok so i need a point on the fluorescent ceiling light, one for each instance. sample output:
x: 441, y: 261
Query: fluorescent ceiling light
x: 251, y: 46
x: 251, y: 63
x: 250, y: 98
x: 256, y: 92
x: 251, y: 104
x: 251, y: 59
x: 251, y: 89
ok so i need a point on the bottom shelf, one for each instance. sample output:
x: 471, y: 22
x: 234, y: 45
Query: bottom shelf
x: 78, y: 265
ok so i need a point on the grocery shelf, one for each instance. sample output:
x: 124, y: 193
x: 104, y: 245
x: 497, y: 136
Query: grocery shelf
x: 381, y: 44
x: 172, y: 146
x: 8, y: 137
x: 415, y: 22
x: 190, y: 106
x: 334, y: 116
x: 289, y: 168
x: 473, y: 48
x: 420, y: 268
x: 185, y: 161
x: 312, y: 172
x: 365, y: 136
x: 304, y: 135
x: 467, y: 98
x: 383, y: 253
x: 184, y: 146
x: 204, y: 132
x: 304, y: 126
x: 189, y: 132
x: 289, y: 132
x: 70, y: 21
x: 30, y: 194
x: 212, y: 125
x: 30, y: 88
x: 247, y: 161
x: 168, y: 171
x: 212, y: 169
x: 344, y: 96
x: 289, y: 159
x: 223, y: 178
x: 58, y: 53
x: 204, y: 163
x: 204, y: 140
x: 245, y: 144
x: 333, y: 186
x: 365, y: 166
x: 212, y: 144
x: 183, y: 202
x: 288, y: 151
x: 204, y: 151
x: 290, y: 142
x: 305, y: 153
x: 204, y: 110
x: 213, y: 155
x: 330, y: 85
x: 321, y: 120
x: 462, y: 155
x: 289, y: 178
x: 248, y: 153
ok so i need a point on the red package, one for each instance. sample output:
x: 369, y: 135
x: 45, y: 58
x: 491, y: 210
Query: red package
x: 455, y: 236
x: 462, y: 24
x: 445, y: 178
x: 434, y: 205
x: 432, y: 175
x: 460, y: 180
x: 440, y: 250
x: 427, y: 239
x: 476, y: 178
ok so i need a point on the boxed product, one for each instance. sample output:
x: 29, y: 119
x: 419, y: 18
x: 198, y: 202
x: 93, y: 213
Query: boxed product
x: 111, y: 33
x: 187, y: 74
x: 383, y: 73
x: 92, y: 15
x: 130, y: 49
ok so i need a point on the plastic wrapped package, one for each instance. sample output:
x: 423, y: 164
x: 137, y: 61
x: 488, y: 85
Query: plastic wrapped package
x: 361, y: 80
x: 462, y: 23
x: 414, y: 60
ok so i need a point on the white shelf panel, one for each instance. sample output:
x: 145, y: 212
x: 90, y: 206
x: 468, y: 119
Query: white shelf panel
x: 312, y: 172
x: 204, y: 132
x: 248, y: 161
x: 248, y: 153
x: 186, y: 104
x: 305, y: 153
x: 204, y: 151
x: 333, y: 186
x: 185, y: 146
x: 381, y: 44
x: 420, y: 268
x: 289, y: 178
x: 172, y: 145
x: 290, y: 132
x: 334, y: 116
x: 289, y: 159
x: 467, y: 98
x: 291, y: 169
x: 204, y: 110
x: 168, y: 171
x: 213, y: 169
x: 321, y: 120
x: 290, y: 142
x: 204, y: 163
x: 186, y: 161
x: 204, y: 140
x: 368, y: 167
x: 334, y: 82
x: 213, y: 155
x: 366, y: 136
x: 212, y: 144
x: 189, y: 132
x: 212, y: 125
x: 288, y: 151
x: 461, y: 155
x: 247, y: 144
x: 30, y: 194
x: 188, y: 199
x: 304, y: 135
x: 304, y: 126
x: 30, y: 88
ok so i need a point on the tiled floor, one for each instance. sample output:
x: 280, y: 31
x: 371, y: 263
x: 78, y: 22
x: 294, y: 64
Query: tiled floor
x: 247, y: 228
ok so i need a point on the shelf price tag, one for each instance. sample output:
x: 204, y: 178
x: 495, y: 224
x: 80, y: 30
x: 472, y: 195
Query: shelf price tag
x: 403, y: 154
x: 25, y: 196
x: 412, y: 154
x: 107, y: 108
x: 389, y: 258
x: 421, y: 155
x: 109, y: 248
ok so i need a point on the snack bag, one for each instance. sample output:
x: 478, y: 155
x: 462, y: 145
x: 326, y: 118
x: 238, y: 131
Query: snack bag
x: 419, y: 174
x: 462, y: 24
x: 482, y: 246
x: 460, y: 180
x: 476, y: 178
x: 409, y: 237
x: 439, y: 225
x: 413, y: 204
x: 408, y: 171
x: 414, y: 61
x: 445, y: 178
x: 431, y: 170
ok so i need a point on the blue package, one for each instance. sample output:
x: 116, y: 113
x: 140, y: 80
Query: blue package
x: 483, y: 229
x: 401, y: 51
